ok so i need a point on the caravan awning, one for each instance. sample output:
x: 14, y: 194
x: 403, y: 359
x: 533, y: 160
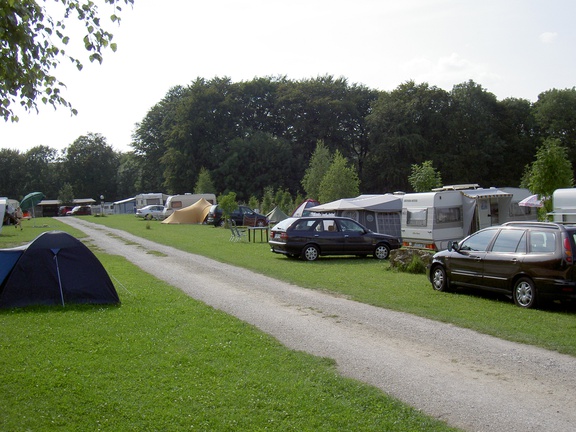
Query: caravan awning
x: 376, y: 203
x: 486, y: 193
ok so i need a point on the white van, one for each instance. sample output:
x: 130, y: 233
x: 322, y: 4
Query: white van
x: 177, y: 202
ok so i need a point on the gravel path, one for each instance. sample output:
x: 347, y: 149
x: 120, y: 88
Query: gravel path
x: 472, y: 381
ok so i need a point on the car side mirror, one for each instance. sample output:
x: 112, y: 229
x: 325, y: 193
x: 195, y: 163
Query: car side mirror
x: 453, y: 246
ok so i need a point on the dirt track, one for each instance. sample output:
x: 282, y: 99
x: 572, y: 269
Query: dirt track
x: 472, y: 381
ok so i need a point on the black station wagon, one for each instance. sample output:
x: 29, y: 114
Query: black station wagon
x: 528, y: 261
x: 310, y: 237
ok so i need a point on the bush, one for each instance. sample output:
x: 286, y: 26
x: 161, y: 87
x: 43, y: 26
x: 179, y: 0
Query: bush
x: 410, y: 260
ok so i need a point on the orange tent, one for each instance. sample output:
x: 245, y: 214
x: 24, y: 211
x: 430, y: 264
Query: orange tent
x: 193, y: 214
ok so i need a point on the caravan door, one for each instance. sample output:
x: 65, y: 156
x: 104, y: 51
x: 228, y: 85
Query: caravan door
x: 485, y: 213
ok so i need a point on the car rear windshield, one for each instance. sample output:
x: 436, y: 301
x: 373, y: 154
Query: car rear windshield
x: 542, y: 241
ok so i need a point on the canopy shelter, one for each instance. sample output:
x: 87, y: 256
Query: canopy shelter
x: 380, y: 213
x: 193, y: 214
x: 375, y: 203
x: 341, y: 204
x: 54, y: 269
x: 484, y: 207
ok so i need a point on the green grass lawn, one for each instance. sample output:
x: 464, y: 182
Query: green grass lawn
x: 371, y: 281
x: 163, y: 361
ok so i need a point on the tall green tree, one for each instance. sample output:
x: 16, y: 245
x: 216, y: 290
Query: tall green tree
x: 550, y: 171
x: 554, y: 113
x: 253, y: 163
x: 33, y: 42
x: 268, y: 202
x: 91, y: 166
x: 129, y: 176
x: 12, y: 168
x: 340, y: 181
x: 151, y: 139
x: 204, y: 183
x: 475, y: 151
x: 41, y: 171
x: 206, y: 121
x: 317, y: 168
x: 228, y: 203
x: 519, y: 131
x: 407, y: 126
x: 424, y: 177
x: 66, y: 194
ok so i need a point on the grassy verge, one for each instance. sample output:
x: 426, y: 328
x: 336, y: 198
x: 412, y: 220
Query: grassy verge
x: 372, y: 282
x: 163, y: 361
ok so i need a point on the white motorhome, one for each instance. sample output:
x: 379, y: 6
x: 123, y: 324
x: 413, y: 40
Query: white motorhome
x: 177, y: 202
x: 432, y: 220
x: 564, y: 202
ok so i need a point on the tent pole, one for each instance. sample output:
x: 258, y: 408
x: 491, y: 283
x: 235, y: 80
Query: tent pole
x: 59, y: 280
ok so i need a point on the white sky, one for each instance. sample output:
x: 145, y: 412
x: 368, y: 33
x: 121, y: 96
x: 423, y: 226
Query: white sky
x: 513, y: 48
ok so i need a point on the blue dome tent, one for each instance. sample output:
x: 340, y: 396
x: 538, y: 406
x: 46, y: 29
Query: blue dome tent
x: 54, y: 269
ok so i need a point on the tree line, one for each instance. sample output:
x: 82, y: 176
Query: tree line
x: 258, y: 134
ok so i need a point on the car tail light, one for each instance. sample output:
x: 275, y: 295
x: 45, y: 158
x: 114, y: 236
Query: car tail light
x: 567, y: 250
x: 284, y: 236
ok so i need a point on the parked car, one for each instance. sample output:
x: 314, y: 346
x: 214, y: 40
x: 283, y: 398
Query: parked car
x: 80, y: 211
x: 310, y: 237
x: 151, y: 212
x: 63, y: 210
x: 528, y: 261
x: 241, y: 216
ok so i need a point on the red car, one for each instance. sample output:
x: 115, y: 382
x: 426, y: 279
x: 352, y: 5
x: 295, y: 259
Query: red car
x: 63, y: 210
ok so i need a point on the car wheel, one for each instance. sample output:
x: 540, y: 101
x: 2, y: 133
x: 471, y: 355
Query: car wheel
x: 148, y: 216
x: 382, y: 251
x: 439, y: 279
x: 524, y: 293
x: 310, y: 253
x: 221, y: 223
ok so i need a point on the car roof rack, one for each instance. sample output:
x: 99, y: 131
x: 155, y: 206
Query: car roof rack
x: 533, y: 224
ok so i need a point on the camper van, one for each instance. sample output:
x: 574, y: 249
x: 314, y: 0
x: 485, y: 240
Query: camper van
x: 177, y: 202
x: 564, y: 202
x: 432, y: 220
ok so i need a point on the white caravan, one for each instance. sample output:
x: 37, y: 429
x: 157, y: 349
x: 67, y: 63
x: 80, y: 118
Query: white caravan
x: 564, y: 202
x: 145, y: 199
x: 177, y: 202
x: 432, y: 220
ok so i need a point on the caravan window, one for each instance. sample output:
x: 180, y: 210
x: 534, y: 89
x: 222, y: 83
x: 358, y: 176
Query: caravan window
x: 416, y: 217
x: 446, y: 215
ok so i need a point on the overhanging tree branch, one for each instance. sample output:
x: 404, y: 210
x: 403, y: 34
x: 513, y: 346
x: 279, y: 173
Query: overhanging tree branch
x: 32, y: 43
